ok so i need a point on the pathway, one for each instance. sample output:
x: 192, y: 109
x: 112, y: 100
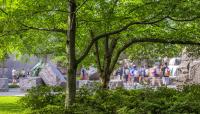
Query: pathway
x: 13, y: 92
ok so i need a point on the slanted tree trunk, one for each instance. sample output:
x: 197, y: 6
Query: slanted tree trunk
x: 70, y: 48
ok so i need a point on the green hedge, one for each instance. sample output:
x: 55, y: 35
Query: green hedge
x: 120, y: 101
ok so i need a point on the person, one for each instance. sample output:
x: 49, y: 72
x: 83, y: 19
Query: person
x: 121, y: 72
x: 136, y: 75
x: 118, y: 74
x: 146, y: 76
x: 28, y: 74
x: 132, y: 75
x: 156, y: 76
x: 126, y: 73
x: 14, y: 76
x: 83, y: 73
x: 165, y: 74
x: 23, y: 73
x: 142, y: 74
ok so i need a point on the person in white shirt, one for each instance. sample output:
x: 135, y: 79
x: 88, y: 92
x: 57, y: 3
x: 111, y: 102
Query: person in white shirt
x: 14, y: 76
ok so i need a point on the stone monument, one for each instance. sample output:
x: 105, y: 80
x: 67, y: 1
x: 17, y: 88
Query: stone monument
x: 52, y: 76
x: 189, y: 70
x: 183, y: 69
x: 29, y: 82
x: 194, y: 72
x: 33, y: 80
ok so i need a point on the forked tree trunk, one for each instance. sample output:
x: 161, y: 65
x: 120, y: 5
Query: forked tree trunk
x: 105, y: 69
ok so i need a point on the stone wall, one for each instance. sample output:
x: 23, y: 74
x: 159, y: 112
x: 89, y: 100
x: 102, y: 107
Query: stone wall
x: 3, y: 84
x: 194, y: 72
x: 29, y: 82
x: 189, y: 71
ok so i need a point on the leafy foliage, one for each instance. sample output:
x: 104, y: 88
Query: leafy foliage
x: 120, y: 101
x: 40, y: 97
x: 39, y: 27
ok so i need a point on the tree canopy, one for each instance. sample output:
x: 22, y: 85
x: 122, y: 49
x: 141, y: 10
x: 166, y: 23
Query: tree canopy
x: 69, y: 29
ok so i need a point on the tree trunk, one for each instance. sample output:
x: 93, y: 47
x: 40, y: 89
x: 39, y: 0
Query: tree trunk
x: 70, y: 48
x: 105, y: 69
x: 105, y: 77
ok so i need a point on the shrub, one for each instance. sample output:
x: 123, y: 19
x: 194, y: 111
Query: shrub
x: 145, y: 101
x: 119, y: 101
x: 13, y: 86
x: 49, y: 109
x: 40, y: 97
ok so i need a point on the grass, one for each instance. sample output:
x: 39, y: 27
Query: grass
x: 9, y: 105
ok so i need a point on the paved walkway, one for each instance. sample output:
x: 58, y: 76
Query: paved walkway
x: 13, y: 92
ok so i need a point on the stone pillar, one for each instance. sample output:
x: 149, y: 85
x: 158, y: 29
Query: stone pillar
x: 4, y: 85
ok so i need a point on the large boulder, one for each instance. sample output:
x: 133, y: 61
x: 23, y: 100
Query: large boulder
x: 95, y: 76
x: 29, y: 82
x: 52, y: 76
x: 4, y: 84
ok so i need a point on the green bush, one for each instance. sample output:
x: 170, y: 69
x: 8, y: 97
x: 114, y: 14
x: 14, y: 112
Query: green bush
x: 13, y: 86
x: 40, y: 97
x: 119, y: 101
x: 145, y: 101
x: 49, y: 109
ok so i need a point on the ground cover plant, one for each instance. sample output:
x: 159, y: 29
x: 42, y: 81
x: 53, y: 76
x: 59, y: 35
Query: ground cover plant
x: 119, y: 101
x: 9, y: 105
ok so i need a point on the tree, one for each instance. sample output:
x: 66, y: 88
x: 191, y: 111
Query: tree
x: 46, y: 24
x: 160, y: 29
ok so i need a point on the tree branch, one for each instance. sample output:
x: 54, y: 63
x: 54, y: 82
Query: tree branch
x: 3, y: 11
x: 113, y: 44
x: 182, y: 20
x: 41, y: 11
x: 150, y: 40
x: 138, y: 7
x: 45, y: 29
x: 7, y: 33
x: 80, y: 6
x: 112, y: 33
x: 97, y: 52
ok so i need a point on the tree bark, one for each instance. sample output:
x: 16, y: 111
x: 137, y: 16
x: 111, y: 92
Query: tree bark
x: 105, y: 79
x: 106, y: 64
x: 105, y: 69
x: 70, y: 48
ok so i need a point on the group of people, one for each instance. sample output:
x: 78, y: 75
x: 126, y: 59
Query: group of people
x: 16, y: 74
x: 155, y: 76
